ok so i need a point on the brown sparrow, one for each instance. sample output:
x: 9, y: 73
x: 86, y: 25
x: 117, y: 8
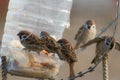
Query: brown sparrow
x: 102, y: 46
x: 85, y: 33
x: 52, y: 44
x: 50, y: 41
x: 69, y: 54
x: 32, y: 42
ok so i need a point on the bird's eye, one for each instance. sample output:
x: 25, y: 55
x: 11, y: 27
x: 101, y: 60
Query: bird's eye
x: 107, y: 43
x: 61, y: 44
x: 24, y: 36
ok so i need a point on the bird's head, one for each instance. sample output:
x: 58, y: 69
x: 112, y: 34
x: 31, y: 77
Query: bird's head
x: 109, y: 41
x: 90, y: 24
x: 62, y: 42
x: 44, y: 34
x: 23, y: 34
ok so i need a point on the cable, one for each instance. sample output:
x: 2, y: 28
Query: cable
x: 90, y: 69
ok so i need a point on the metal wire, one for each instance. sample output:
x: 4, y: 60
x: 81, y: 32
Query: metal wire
x: 117, y: 17
x: 105, y: 62
x: 115, y: 20
x: 105, y: 66
x: 91, y: 68
x: 107, y: 27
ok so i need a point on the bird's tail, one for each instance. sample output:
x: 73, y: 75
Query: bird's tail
x: 72, y: 73
x: 97, y: 58
x: 94, y: 61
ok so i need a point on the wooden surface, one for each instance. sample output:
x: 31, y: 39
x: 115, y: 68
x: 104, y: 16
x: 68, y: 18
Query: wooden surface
x: 3, y: 12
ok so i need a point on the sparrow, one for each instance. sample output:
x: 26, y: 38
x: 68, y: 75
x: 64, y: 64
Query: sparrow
x: 52, y: 44
x: 32, y: 42
x: 69, y: 54
x: 85, y: 33
x: 103, y: 45
x: 50, y: 41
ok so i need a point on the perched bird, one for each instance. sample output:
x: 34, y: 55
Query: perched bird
x: 32, y: 42
x: 50, y: 41
x: 85, y: 33
x: 52, y: 44
x: 69, y: 54
x: 104, y: 45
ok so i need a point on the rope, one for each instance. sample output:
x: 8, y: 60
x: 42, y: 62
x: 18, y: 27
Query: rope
x: 105, y: 64
x: 105, y: 69
x: 4, y: 68
x: 91, y: 68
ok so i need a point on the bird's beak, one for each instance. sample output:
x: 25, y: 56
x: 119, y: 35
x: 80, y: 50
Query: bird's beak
x: 18, y: 34
x: 89, y: 27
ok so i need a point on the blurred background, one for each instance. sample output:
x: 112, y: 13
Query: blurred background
x: 102, y: 11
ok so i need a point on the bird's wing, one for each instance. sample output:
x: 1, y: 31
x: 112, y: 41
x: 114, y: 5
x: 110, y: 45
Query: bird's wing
x: 117, y: 46
x: 53, y: 42
x: 35, y: 40
x: 80, y: 31
x: 93, y: 41
x: 69, y: 53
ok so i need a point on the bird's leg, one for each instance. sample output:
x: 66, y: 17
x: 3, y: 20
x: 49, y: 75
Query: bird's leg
x: 72, y: 73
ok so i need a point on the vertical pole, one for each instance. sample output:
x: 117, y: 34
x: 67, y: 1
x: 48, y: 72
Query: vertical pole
x: 3, y: 12
x: 105, y: 69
